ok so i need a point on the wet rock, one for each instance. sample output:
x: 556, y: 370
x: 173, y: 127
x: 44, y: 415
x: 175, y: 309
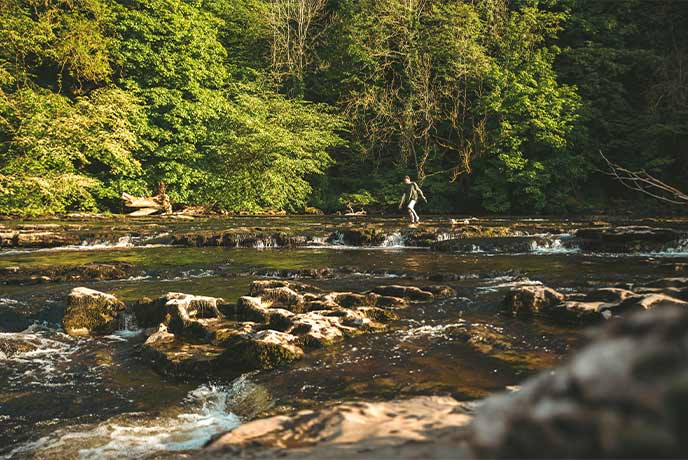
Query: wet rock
x: 669, y: 283
x: 91, y: 312
x: 280, y: 319
x: 86, y: 272
x: 260, y: 350
x: 588, y: 310
x: 423, y: 427
x: 149, y: 312
x: 185, y: 314
x: 252, y: 309
x: 317, y: 330
x: 623, y: 396
x: 38, y: 237
x: 647, y: 302
x: 13, y: 344
x: 348, y: 299
x: 512, y: 244
x: 381, y: 315
x: 225, y: 330
x: 367, y: 236
x: 609, y: 295
x: 240, y: 238
x: 532, y: 299
x: 386, y: 301
x: 408, y: 292
x: 625, y: 239
x: 441, y: 291
x: 278, y: 293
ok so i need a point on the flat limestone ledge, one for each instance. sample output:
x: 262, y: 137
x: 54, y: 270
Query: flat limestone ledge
x: 423, y: 427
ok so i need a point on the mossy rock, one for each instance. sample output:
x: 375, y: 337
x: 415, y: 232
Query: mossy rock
x: 262, y: 350
x: 91, y: 312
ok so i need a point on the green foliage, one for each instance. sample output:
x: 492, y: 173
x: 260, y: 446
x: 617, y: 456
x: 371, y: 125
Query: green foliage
x: 65, y: 154
x: 490, y: 105
x: 265, y: 149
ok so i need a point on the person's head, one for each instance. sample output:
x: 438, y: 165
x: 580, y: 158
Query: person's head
x: 407, y: 179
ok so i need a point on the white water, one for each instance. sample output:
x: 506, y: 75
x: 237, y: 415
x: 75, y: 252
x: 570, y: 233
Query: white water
x: 394, y: 240
x: 552, y: 245
x: 134, y: 436
x: 42, y: 351
x: 122, y: 243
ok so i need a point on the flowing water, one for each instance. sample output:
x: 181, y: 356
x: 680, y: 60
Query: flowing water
x: 63, y: 397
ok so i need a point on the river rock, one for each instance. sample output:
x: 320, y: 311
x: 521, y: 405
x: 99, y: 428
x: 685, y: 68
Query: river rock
x: 250, y: 308
x: 366, y: 236
x: 609, y: 295
x: 510, y: 244
x: 185, y: 314
x: 622, y: 396
x: 531, y: 299
x: 284, y: 297
x: 422, y: 427
x: 85, y: 272
x: 260, y: 350
x: 625, y: 238
x: 317, y: 330
x: 91, y: 312
x: 408, y: 292
x: 43, y: 236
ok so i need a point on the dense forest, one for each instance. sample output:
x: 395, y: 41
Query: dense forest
x: 493, y: 105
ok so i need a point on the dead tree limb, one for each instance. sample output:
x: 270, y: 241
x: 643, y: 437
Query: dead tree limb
x: 643, y: 182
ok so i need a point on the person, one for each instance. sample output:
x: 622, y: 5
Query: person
x: 410, y: 196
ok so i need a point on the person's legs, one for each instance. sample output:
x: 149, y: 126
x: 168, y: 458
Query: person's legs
x: 412, y: 212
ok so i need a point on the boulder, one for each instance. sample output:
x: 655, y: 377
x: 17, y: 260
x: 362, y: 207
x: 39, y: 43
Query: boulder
x: 260, y: 350
x: 91, y: 312
x: 252, y: 309
x: 186, y: 314
x: 366, y: 236
x: 317, y: 330
x: 422, y: 427
x: 149, y: 312
x: 280, y: 319
x: 284, y: 297
x: 625, y: 395
x: 531, y: 299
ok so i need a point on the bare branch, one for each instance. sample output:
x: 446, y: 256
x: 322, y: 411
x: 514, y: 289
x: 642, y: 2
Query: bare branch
x: 643, y: 182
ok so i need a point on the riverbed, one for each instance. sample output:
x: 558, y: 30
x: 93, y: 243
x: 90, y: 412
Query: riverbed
x: 64, y: 397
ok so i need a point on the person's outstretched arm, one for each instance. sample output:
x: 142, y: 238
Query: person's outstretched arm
x: 420, y: 192
x: 403, y: 198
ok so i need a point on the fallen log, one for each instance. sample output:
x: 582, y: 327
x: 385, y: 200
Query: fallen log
x: 148, y: 205
x: 136, y: 202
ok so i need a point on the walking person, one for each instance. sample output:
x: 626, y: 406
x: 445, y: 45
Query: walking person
x: 410, y: 196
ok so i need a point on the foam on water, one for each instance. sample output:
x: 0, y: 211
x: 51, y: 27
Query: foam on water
x: 428, y: 331
x: 133, y: 436
x: 33, y: 357
x: 503, y: 282
x: 555, y: 245
x: 394, y: 240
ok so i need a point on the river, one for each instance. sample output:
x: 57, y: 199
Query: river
x: 63, y: 397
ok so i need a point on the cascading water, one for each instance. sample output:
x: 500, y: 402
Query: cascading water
x: 393, y: 240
